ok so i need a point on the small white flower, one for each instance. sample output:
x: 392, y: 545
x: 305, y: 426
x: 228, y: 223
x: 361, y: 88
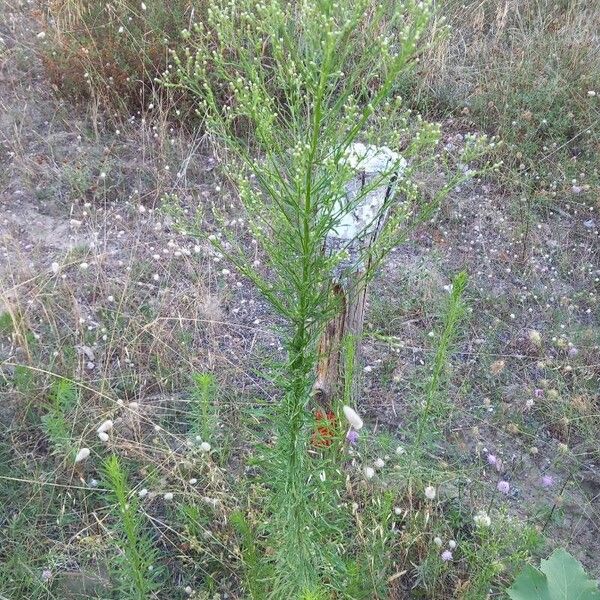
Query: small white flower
x: 42, y: 34
x: 84, y: 266
x: 369, y: 472
x: 482, y: 519
x: 379, y: 463
x: 400, y: 450
x: 322, y: 476
x: 106, y: 426
x: 353, y: 418
x: 103, y: 436
x: 535, y: 337
x: 121, y: 30
x: 591, y: 93
x: 205, y: 447
x: 82, y: 454
x: 430, y: 492
x: 102, y: 175
x: 143, y: 493
x: 143, y: 6
x: 193, y: 481
x: 168, y: 496
x: 438, y: 541
x: 397, y: 510
x: 451, y: 544
x: 55, y: 267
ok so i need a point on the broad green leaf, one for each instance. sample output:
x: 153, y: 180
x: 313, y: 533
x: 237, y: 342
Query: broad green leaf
x: 567, y: 579
x: 561, y: 577
x: 530, y: 584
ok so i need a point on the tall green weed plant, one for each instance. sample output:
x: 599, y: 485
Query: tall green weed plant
x: 137, y: 570
x: 309, y: 83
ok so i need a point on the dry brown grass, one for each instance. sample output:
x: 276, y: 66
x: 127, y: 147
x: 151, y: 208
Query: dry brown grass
x: 520, y: 69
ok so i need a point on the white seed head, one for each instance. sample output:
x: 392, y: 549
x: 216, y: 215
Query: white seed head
x: 430, y: 492
x: 535, y: 337
x: 168, y: 496
x: 353, y: 418
x: 103, y: 436
x: 106, y: 426
x: 82, y: 454
x: 369, y: 472
x: 205, y: 447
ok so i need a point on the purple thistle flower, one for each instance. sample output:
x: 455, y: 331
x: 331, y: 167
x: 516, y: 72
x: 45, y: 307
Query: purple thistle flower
x: 446, y: 555
x: 352, y: 437
x: 538, y: 393
x: 503, y: 486
x: 492, y: 460
x: 573, y: 352
x: 547, y: 481
x: 46, y: 575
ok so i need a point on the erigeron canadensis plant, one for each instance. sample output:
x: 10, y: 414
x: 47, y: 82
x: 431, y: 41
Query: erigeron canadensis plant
x: 56, y: 422
x: 310, y: 89
x: 203, y: 413
x: 137, y: 570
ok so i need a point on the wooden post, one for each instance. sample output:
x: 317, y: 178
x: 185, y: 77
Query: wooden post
x: 363, y: 225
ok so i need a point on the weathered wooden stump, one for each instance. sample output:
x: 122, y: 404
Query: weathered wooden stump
x: 357, y: 232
